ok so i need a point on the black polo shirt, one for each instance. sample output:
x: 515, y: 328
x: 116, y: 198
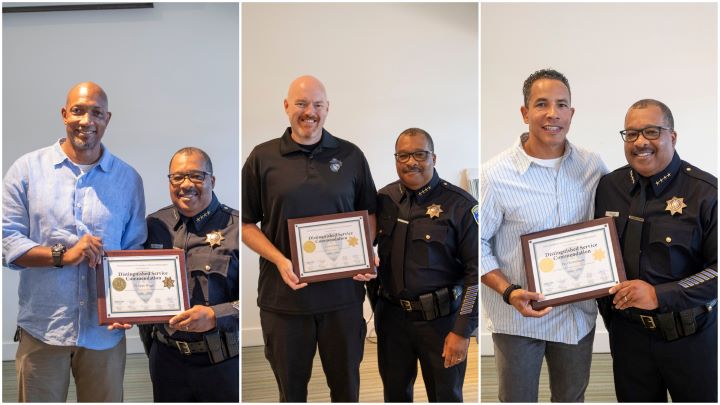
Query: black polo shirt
x: 679, y: 236
x: 283, y: 181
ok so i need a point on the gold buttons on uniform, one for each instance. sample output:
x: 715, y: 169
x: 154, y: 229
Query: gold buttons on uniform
x: 427, y: 237
x: 668, y: 239
x: 207, y: 267
x: 689, y: 169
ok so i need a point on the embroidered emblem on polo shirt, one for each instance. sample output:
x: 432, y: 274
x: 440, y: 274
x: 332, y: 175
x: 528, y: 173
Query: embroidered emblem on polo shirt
x: 335, y: 165
x: 675, y: 205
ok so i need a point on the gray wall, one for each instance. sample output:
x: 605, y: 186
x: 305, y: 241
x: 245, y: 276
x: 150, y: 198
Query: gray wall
x: 386, y: 67
x: 171, y: 75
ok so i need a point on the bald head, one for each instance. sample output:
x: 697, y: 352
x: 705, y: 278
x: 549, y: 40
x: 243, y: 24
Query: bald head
x: 306, y: 106
x: 87, y: 90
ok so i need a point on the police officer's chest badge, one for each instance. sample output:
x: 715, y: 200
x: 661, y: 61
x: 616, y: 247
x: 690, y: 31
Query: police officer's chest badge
x: 434, y: 211
x: 335, y: 165
x: 214, y: 238
x: 675, y: 205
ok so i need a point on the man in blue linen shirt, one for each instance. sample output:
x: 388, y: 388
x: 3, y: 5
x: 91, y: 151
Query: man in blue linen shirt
x: 63, y: 205
x: 542, y: 182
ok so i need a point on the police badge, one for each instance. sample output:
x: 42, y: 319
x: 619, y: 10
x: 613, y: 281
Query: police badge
x: 214, y: 238
x: 335, y: 165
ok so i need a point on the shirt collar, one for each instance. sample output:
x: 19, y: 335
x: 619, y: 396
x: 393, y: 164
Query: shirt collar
x: 659, y: 181
x: 423, y: 193
x: 288, y: 145
x: 522, y: 162
x: 59, y: 156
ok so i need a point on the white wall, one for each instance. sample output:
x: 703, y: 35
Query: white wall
x: 171, y: 75
x: 613, y: 55
x: 386, y: 67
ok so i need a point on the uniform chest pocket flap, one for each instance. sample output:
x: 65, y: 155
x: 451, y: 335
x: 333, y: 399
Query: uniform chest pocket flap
x: 429, y: 233
x: 217, y: 264
x: 672, y: 236
x: 386, y: 225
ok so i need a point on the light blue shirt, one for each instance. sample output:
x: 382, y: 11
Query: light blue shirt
x: 518, y: 196
x: 48, y: 200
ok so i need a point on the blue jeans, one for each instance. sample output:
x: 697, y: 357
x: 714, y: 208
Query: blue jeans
x: 518, y: 360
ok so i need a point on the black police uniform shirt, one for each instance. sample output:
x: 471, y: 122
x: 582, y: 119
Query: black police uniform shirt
x: 441, y: 251
x: 679, y: 236
x: 283, y: 181
x: 211, y: 245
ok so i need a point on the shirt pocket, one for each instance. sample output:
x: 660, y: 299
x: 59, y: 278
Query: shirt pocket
x: 670, y: 247
x: 428, y: 243
x: 216, y: 264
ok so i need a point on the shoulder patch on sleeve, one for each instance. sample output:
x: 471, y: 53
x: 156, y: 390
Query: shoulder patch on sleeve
x: 476, y: 213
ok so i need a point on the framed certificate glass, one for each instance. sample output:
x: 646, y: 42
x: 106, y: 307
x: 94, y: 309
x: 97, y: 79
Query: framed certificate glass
x: 142, y: 286
x: 573, y: 263
x: 329, y: 247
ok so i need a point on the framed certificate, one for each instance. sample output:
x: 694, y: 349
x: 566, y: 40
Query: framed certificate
x: 142, y: 286
x: 573, y: 263
x: 329, y: 247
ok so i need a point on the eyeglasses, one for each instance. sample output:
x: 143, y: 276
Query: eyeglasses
x: 196, y: 177
x: 419, y: 156
x: 650, y: 133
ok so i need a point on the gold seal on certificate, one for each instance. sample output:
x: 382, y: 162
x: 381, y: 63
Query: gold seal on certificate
x: 328, y: 247
x: 142, y: 286
x: 573, y: 263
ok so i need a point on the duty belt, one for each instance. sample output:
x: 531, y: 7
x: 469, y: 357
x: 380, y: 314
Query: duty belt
x: 212, y: 344
x: 671, y: 325
x: 431, y: 305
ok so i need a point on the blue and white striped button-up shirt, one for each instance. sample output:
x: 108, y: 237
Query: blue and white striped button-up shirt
x: 48, y: 200
x: 518, y: 196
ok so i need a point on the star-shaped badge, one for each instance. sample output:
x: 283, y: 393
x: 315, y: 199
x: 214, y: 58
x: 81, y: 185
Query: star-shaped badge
x: 599, y: 254
x: 168, y: 282
x: 434, y: 211
x: 675, y: 205
x: 352, y: 241
x: 214, y: 238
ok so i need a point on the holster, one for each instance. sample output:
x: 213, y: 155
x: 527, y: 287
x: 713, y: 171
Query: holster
x: 427, y: 302
x: 666, y: 326
x: 216, y: 348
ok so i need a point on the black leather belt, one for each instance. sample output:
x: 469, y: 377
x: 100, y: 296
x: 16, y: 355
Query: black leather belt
x: 407, y: 305
x: 428, y: 306
x: 651, y: 321
x: 183, y: 346
x: 670, y: 325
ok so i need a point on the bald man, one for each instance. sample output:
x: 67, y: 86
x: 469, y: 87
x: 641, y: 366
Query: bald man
x: 63, y: 205
x: 306, y: 172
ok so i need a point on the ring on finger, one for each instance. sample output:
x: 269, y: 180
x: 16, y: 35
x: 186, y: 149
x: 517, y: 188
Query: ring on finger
x: 626, y: 298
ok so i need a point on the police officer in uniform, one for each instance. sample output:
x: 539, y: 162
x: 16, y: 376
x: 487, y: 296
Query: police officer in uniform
x: 428, y: 248
x: 662, y: 321
x: 194, y: 358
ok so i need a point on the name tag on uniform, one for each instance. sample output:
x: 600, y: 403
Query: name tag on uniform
x: 156, y: 246
x: 612, y: 214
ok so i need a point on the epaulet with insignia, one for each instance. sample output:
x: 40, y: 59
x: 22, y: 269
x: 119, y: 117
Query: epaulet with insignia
x: 623, y: 168
x: 168, y: 212
x: 393, y: 190
x: 451, y: 187
x: 699, y: 174
x: 229, y: 210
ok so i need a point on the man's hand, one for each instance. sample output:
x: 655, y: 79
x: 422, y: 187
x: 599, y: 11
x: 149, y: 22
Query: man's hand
x: 634, y: 293
x: 88, y: 247
x: 368, y: 276
x: 119, y: 326
x: 455, y: 349
x: 199, y: 318
x: 285, y: 268
x: 520, y: 299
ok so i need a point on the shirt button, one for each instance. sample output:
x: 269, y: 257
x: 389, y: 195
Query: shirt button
x: 82, y: 303
x: 689, y: 169
x: 668, y: 239
x: 427, y: 237
x: 207, y: 267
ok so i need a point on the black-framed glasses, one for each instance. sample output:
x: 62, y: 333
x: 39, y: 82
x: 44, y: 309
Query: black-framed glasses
x: 419, y: 156
x: 650, y: 133
x: 195, y: 176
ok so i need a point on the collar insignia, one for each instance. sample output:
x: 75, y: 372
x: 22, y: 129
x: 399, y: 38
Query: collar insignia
x: 663, y: 178
x: 675, y: 205
x: 632, y: 178
x: 425, y: 190
x: 434, y: 211
x: 214, y: 238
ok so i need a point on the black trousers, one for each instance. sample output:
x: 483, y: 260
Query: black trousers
x: 402, y: 340
x: 646, y: 367
x: 181, y: 378
x: 291, y: 342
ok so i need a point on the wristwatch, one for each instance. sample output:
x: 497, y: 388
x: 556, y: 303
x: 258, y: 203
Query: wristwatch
x: 510, y: 289
x: 58, y: 250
